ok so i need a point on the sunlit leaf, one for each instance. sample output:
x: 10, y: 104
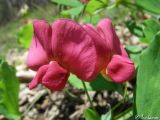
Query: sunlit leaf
x: 148, y: 81
x: 90, y: 114
x: 94, y: 5
x: 73, y: 11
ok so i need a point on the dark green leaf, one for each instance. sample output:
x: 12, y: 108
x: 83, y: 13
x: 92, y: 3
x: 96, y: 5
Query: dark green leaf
x: 148, y: 80
x: 150, y: 5
x: 90, y: 114
x: 135, y: 28
x: 71, y: 3
x: 99, y: 83
x: 9, y: 91
x: 25, y: 35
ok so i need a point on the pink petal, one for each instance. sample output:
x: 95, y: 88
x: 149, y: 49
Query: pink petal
x: 103, y: 50
x: 74, y: 49
x: 43, y: 33
x: 36, y: 56
x: 120, y: 69
x: 38, y: 78
x: 55, y: 77
x: 107, y: 31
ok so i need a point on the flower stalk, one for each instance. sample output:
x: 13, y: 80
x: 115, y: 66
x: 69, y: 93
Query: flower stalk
x: 89, y: 99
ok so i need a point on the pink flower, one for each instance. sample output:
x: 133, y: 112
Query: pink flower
x: 68, y: 47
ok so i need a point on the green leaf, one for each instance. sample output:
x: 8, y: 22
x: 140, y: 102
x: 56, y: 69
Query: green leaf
x: 148, y: 80
x: 150, y: 5
x: 145, y: 31
x: 133, y: 49
x: 99, y: 83
x: 9, y: 91
x: 73, y: 11
x: 94, y: 5
x: 135, y: 58
x: 71, y: 3
x: 134, y: 53
x: 90, y: 114
x: 107, y: 116
x: 151, y: 28
x: 25, y: 35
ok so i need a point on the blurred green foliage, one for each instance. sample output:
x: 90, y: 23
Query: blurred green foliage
x: 71, y: 3
x: 151, y: 27
x: 150, y: 5
x: 25, y: 35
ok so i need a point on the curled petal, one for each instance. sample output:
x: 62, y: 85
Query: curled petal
x: 103, y: 50
x: 74, y: 49
x: 36, y: 56
x: 38, y: 78
x: 120, y: 69
x: 43, y: 33
x: 56, y: 77
x: 106, y: 30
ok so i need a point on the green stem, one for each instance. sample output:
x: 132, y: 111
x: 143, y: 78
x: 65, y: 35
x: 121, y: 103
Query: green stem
x: 90, y: 20
x: 125, y: 95
x: 85, y: 89
x: 70, y: 94
x: 123, y: 99
x: 117, y: 105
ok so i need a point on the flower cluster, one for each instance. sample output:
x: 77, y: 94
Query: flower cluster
x: 84, y: 50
